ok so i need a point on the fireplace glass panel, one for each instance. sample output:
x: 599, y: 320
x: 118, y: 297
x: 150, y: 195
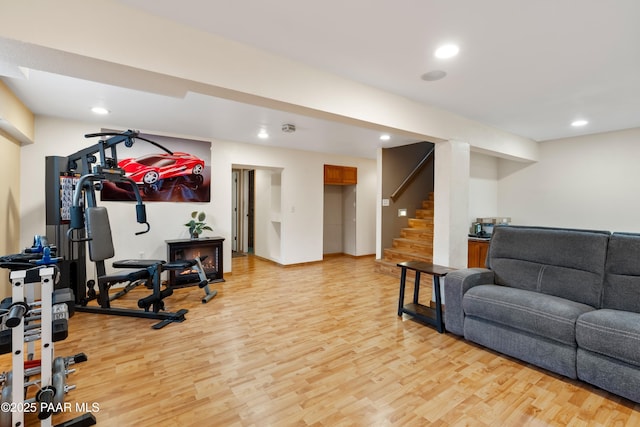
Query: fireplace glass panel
x: 208, y: 249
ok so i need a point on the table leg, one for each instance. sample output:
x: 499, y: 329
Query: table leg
x: 416, y: 289
x: 403, y: 280
x: 436, y: 289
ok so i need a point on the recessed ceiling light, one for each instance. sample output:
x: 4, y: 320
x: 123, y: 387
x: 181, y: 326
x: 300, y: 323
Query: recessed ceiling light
x: 263, y: 134
x: 434, y: 75
x: 447, y: 51
x: 385, y: 137
x: 100, y: 110
x: 578, y: 123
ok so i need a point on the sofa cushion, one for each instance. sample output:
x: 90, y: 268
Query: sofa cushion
x: 611, y: 333
x: 533, y: 312
x: 536, y: 349
x: 561, y: 262
x: 609, y: 374
x: 622, y: 273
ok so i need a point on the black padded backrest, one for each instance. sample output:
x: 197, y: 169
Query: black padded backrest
x: 99, y: 233
x: 622, y: 278
x: 562, y: 262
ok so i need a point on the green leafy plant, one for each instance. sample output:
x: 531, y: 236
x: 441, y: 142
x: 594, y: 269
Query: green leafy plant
x: 197, y: 225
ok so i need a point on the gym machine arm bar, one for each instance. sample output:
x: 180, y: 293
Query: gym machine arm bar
x: 77, y: 211
x: 88, y: 155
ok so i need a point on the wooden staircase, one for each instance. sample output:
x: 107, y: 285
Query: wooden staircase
x: 414, y: 244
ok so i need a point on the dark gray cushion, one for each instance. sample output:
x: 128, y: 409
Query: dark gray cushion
x: 622, y: 277
x: 609, y: 374
x: 561, y: 262
x: 533, y: 312
x: 99, y: 233
x: 456, y: 284
x: 611, y: 333
x: 547, y: 354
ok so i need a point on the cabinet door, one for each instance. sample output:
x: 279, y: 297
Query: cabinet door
x: 477, y: 254
x: 473, y: 254
x: 482, y: 254
x: 349, y: 175
x: 333, y: 174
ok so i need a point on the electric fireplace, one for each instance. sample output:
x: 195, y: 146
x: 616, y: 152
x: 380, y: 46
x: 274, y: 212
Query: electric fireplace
x: 208, y: 249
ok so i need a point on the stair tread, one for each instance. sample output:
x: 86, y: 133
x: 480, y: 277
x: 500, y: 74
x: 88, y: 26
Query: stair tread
x: 404, y: 251
x: 413, y: 241
x: 414, y: 230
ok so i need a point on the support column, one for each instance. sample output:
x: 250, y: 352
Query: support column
x: 451, y: 188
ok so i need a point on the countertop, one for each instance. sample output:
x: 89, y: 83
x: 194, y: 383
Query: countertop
x: 479, y: 239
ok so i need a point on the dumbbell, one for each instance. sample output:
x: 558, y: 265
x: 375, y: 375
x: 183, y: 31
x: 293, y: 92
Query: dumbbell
x: 66, y: 296
x: 91, y: 291
x: 17, y: 312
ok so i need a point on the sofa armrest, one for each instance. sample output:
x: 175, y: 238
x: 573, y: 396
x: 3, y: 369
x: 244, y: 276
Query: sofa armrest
x: 456, y: 284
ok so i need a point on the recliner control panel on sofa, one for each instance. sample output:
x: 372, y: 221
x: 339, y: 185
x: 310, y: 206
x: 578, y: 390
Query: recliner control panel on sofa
x: 562, y: 299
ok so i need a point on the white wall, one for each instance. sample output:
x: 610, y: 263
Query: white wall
x: 366, y: 210
x: 268, y: 214
x: 584, y: 182
x: 302, y: 185
x: 451, y: 201
x: 483, y: 186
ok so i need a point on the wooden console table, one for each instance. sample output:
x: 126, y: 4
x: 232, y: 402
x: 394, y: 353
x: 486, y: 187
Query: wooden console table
x: 422, y: 312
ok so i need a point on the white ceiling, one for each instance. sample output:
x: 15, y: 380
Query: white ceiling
x: 527, y: 67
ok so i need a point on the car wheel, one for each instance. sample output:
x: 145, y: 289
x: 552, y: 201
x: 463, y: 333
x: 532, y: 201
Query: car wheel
x: 195, y: 181
x: 197, y: 169
x: 150, y: 177
x: 150, y: 189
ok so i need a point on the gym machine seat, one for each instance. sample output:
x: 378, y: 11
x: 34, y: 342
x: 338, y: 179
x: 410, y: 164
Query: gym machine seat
x: 101, y: 248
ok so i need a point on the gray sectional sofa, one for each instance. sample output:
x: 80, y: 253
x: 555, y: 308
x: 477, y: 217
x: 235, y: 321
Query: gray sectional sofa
x: 564, y: 300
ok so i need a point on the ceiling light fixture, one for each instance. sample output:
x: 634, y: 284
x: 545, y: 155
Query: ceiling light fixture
x: 433, y: 75
x: 385, y: 137
x: 100, y: 110
x: 288, y: 128
x: 447, y: 51
x: 263, y: 134
x: 579, y: 123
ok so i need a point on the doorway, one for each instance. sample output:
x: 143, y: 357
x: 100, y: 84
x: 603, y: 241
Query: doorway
x: 339, y: 230
x: 243, y: 211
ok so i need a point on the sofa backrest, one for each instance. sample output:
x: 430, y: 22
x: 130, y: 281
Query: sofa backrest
x: 562, y: 262
x: 622, y: 273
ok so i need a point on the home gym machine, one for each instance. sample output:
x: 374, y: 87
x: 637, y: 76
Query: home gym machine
x: 25, y: 320
x: 74, y: 220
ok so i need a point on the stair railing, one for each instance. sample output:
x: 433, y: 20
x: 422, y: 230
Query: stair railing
x: 403, y: 185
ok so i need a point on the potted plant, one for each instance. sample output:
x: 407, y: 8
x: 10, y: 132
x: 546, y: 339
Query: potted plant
x: 197, y: 225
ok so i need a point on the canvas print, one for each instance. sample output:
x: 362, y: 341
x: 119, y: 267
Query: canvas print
x: 171, y: 170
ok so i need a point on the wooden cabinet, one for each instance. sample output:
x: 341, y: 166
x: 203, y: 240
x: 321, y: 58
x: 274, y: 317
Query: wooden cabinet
x: 340, y: 175
x: 477, y: 254
x: 349, y: 175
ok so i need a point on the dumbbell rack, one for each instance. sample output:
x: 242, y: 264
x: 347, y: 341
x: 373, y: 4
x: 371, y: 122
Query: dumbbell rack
x: 20, y: 293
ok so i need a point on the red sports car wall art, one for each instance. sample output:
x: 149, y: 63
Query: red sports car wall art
x: 163, y: 175
x: 150, y: 170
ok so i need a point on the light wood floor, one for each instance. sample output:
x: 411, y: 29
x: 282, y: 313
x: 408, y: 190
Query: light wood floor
x: 313, y: 345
